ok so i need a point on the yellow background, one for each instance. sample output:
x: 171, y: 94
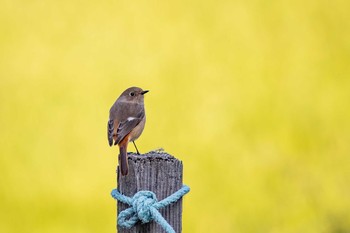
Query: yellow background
x: 253, y: 97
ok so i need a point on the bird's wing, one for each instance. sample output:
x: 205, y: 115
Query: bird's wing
x: 126, y: 126
x: 110, y: 129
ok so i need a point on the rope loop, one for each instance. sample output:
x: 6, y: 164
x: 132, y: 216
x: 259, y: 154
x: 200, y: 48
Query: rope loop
x: 144, y: 207
x: 142, y: 202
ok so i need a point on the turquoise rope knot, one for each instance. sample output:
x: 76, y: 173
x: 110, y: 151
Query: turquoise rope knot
x: 144, y: 207
x: 142, y: 202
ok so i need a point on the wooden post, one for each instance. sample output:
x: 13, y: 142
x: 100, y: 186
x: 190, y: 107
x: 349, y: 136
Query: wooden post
x: 160, y: 173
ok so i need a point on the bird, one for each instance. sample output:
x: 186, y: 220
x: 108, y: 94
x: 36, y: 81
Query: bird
x: 126, y: 122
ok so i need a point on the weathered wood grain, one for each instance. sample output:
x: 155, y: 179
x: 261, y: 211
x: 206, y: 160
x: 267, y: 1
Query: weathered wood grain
x: 160, y: 173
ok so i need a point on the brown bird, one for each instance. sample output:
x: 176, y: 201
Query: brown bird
x: 126, y: 122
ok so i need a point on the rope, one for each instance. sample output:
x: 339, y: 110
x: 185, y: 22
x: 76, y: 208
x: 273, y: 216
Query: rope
x: 144, y: 206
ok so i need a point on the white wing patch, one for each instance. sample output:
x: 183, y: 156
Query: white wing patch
x: 131, y: 118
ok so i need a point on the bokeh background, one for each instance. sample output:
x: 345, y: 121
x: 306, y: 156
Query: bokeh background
x: 253, y: 97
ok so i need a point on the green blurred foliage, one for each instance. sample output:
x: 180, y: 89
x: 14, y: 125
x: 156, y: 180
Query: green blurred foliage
x: 253, y: 96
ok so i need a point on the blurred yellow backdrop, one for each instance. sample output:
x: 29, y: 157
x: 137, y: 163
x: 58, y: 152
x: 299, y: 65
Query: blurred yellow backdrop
x: 253, y: 97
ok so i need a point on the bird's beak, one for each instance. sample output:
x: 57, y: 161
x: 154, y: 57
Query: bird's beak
x: 144, y: 92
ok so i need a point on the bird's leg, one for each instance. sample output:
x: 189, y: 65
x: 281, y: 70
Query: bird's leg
x: 136, y: 148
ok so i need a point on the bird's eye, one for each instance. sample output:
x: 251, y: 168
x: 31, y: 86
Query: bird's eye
x: 132, y: 93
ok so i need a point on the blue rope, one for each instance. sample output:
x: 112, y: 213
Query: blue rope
x: 144, y: 206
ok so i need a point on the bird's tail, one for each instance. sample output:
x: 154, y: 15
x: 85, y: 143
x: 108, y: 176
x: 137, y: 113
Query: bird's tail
x: 123, y: 160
